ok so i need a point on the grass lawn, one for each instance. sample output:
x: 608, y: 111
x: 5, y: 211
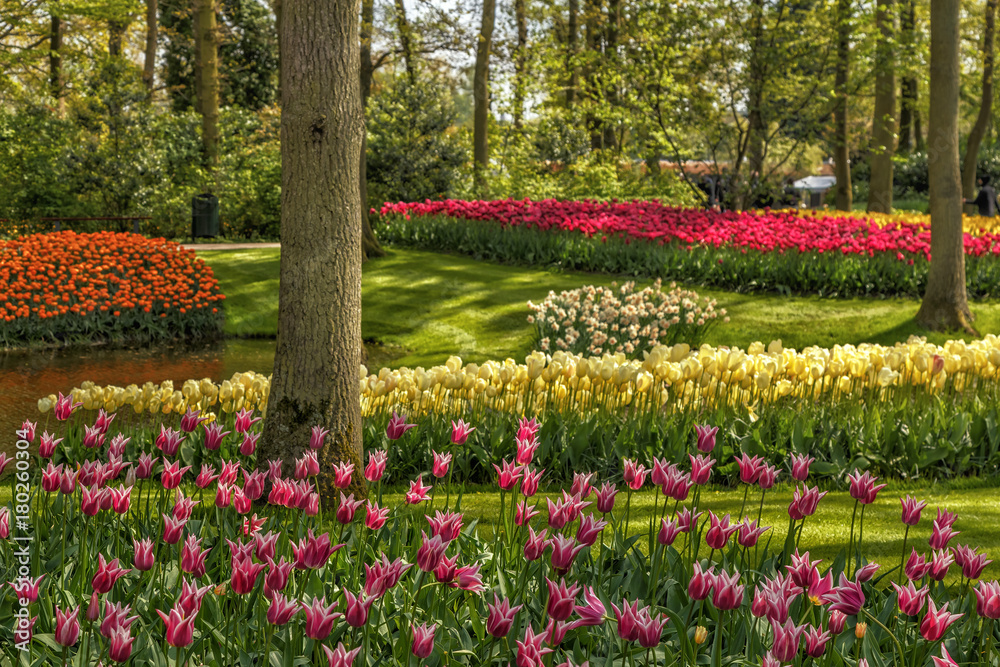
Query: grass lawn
x: 425, y: 306
x: 826, y: 533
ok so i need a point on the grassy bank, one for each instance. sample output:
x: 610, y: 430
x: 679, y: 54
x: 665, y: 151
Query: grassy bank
x: 426, y: 306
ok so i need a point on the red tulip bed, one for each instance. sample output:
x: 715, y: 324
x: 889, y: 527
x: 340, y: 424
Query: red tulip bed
x: 743, y: 251
x: 179, y: 547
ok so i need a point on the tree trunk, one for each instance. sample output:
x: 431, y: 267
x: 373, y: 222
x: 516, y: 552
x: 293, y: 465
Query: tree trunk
x: 908, y: 89
x: 592, y: 16
x: 945, y: 304
x: 276, y: 7
x: 116, y: 33
x: 918, y: 132
x: 55, y: 65
x: 610, y: 140
x: 884, y: 123
x: 318, y: 351
x: 208, y: 85
x: 520, y: 61
x: 370, y: 246
x: 841, y: 150
x: 572, y: 29
x: 756, y: 127
x: 405, y: 41
x: 978, y: 130
x: 481, y: 96
x: 149, y: 61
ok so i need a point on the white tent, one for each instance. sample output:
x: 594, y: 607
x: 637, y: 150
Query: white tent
x: 815, y: 183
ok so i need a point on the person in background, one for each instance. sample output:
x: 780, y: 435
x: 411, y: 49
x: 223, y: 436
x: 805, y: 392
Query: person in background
x: 986, y: 200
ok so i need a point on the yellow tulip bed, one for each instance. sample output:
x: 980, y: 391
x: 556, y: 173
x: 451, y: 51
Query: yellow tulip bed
x: 971, y: 224
x: 860, y: 390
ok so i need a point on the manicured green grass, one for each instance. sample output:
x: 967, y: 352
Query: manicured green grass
x: 826, y: 533
x: 426, y: 306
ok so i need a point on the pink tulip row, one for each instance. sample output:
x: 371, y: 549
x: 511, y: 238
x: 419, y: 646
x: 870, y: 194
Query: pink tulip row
x: 766, y: 231
x: 574, y: 596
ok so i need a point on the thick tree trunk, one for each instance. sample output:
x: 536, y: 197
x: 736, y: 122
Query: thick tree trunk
x: 978, y: 130
x: 884, y: 124
x: 571, y: 69
x: 149, y: 61
x: 841, y: 143
x: 116, y: 34
x: 370, y: 246
x: 208, y: 84
x: 276, y: 7
x: 520, y: 61
x: 405, y: 41
x: 318, y: 352
x: 55, y: 65
x: 610, y: 140
x: 756, y: 127
x: 908, y: 88
x: 481, y: 96
x: 945, y: 304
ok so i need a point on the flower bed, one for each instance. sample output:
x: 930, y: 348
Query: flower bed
x: 910, y: 410
x: 140, y: 559
x: 594, y: 320
x: 748, y: 251
x: 69, y: 287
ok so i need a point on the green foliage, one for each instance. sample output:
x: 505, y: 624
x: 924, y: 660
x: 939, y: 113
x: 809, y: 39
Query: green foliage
x: 414, y: 151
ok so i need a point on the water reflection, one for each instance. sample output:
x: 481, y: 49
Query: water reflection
x: 26, y: 377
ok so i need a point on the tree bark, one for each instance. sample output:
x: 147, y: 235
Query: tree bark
x: 55, y: 64
x: 149, y: 61
x: 481, y: 96
x: 405, y: 41
x: 884, y: 123
x: 592, y: 29
x: 370, y: 246
x: 571, y: 38
x: 208, y: 83
x: 945, y: 304
x: 918, y: 132
x: 978, y: 130
x: 756, y: 126
x: 908, y: 88
x: 318, y: 351
x: 841, y: 150
x: 520, y: 61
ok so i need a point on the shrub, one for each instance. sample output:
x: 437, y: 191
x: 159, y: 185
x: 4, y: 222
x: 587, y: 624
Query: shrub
x: 594, y: 320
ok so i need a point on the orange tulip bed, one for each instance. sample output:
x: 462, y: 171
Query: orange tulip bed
x: 66, y: 287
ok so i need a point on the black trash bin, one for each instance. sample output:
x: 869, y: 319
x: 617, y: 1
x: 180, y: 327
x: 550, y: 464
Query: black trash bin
x: 204, y: 215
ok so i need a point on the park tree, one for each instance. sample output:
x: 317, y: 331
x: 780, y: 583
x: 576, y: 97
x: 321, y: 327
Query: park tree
x: 841, y: 141
x: 149, y: 54
x: 206, y: 39
x: 318, y: 352
x: 883, y: 142
x: 945, y: 304
x: 978, y: 130
x: 910, y: 132
x: 481, y: 97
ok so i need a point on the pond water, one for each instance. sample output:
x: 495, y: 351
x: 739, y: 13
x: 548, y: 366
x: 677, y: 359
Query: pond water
x: 26, y: 377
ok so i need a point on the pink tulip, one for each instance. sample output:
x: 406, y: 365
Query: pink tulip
x: 316, y: 438
x: 523, y: 513
x: 143, y: 559
x: 120, y: 644
x: 589, y: 530
x: 103, y: 421
x: 356, y: 613
x: 525, y: 452
x: 375, y: 516
x: 376, y: 465
x: 706, y: 437
x: 47, y: 445
x: 529, y: 485
x: 786, y: 640
x: 800, y: 466
x: 441, y: 464
x: 423, y: 640
x: 397, y: 427
x: 347, y: 507
x: 628, y: 620
x: 223, y: 496
x: 606, y: 498
x: 941, y: 534
x: 847, y: 598
x: 67, y: 627
x: 307, y: 466
x: 945, y: 518
x: 686, y: 521
x: 701, y: 583
x: 431, y: 552
x: 910, y: 600
x: 469, y: 579
x: 863, y: 488
x: 193, y: 557
x: 214, y: 436
x: 312, y: 552
x: 446, y: 524
x: 635, y: 474
x: 701, y: 469
x: 536, y: 544
x: 319, y: 618
x: 562, y: 599
x: 726, y: 594
x: 460, y: 432
x: 52, y: 477
x: 26, y: 589
x: 107, y: 574
x: 189, y: 602
x: 867, y: 572
x: 650, y: 628
x: 446, y: 568
x: 936, y: 621
x: 252, y: 525
x: 244, y: 420
x: 340, y: 656
x: 249, y: 444
x: 529, y: 650
x: 911, y: 510
x: 804, y: 502
x: 191, y: 420
x: 940, y: 564
x: 836, y: 623
x: 749, y: 533
x: 116, y: 616
x: 168, y: 441
x: 564, y: 552
x: 418, y: 493
x: 945, y: 660
x: 988, y: 599
x: 64, y: 407
x: 145, y: 468
x: 172, y: 474
x: 816, y: 641
x: 501, y: 617
x: 917, y: 566
x: 180, y: 629
x: 282, y: 609
x: 718, y: 534
x: 27, y: 431
x: 508, y: 476
x: 750, y: 468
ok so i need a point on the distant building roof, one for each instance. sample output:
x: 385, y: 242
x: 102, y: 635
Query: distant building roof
x: 815, y: 183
